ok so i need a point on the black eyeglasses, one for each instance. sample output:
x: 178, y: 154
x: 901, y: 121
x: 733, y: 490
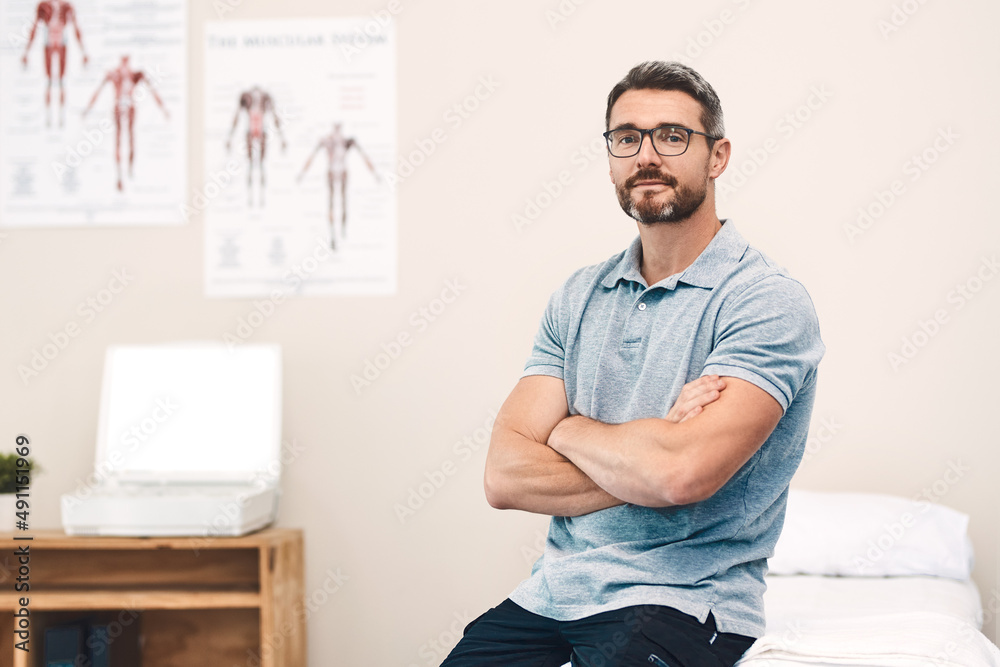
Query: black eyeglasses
x: 668, y: 140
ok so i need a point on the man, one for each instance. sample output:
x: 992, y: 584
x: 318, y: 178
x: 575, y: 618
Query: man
x: 337, y: 145
x: 661, y: 414
x: 257, y: 104
x: 124, y: 80
x: 56, y: 15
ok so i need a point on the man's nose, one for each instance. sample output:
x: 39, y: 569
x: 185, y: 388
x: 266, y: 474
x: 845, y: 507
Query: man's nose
x: 647, y: 155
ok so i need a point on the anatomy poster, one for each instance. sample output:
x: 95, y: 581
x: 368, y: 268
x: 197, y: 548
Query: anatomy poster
x: 300, y: 120
x: 92, y: 112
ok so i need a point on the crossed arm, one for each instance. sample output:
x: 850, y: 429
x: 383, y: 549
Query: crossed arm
x: 543, y: 460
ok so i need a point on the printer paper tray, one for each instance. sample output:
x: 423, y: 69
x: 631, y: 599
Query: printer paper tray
x: 105, y: 513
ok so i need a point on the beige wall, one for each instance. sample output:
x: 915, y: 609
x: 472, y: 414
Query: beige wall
x: 884, y: 99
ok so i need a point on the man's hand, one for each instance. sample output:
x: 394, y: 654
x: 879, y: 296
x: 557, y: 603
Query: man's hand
x: 523, y: 472
x: 694, y: 396
x: 659, y: 462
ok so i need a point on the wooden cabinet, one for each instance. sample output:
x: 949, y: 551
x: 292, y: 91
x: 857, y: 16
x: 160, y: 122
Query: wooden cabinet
x: 184, y: 601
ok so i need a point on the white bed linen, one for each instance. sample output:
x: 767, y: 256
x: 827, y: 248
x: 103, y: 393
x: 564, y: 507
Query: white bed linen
x: 800, y: 597
x: 910, y: 639
x: 817, y: 621
x: 831, y: 621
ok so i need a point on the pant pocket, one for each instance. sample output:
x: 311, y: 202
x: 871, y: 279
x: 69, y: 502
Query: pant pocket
x: 674, y: 642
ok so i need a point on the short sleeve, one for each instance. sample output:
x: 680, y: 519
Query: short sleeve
x: 768, y: 335
x: 548, y: 353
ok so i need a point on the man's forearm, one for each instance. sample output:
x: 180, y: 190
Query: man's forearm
x: 659, y: 462
x: 531, y: 476
x: 633, y: 461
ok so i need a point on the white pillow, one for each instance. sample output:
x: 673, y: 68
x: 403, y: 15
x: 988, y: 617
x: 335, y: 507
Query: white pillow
x: 871, y: 534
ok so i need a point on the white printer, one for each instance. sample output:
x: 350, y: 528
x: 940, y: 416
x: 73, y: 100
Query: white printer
x: 188, y: 443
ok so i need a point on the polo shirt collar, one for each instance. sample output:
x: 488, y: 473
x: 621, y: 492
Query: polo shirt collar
x: 726, y: 247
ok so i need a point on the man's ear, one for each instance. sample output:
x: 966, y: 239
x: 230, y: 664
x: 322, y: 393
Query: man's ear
x: 721, y: 151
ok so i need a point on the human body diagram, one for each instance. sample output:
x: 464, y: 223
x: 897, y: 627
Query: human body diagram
x: 124, y: 80
x: 55, y: 15
x: 257, y: 104
x: 337, y: 146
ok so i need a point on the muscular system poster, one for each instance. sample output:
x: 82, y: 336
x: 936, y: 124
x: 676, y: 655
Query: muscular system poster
x: 300, y: 122
x: 93, y: 112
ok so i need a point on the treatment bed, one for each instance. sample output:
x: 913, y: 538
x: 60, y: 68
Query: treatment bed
x: 872, y: 580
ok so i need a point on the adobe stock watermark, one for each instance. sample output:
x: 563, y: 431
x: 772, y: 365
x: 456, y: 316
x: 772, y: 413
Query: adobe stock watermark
x: 104, y: 634
x: 419, y: 321
x: 939, y: 488
x: 88, y: 310
x: 129, y: 441
x: 554, y: 187
x: 216, y: 184
x: 372, y: 32
x: 711, y: 30
x: 230, y: 512
x: 19, y: 40
x: 736, y: 176
x: 791, y: 635
x: 533, y: 551
x: 224, y: 7
x: 301, y: 610
x: 901, y: 13
x: 991, y: 608
x: 827, y: 430
x: 893, y: 532
x: 78, y: 152
x: 967, y: 634
x: 914, y: 167
x: 454, y: 117
x: 436, y: 649
x: 463, y: 451
x: 561, y: 12
x: 609, y: 650
x: 8, y: 568
x: 927, y: 329
x: 264, y: 309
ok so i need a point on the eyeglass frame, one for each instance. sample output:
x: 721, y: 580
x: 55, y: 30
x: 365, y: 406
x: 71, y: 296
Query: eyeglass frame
x: 642, y: 136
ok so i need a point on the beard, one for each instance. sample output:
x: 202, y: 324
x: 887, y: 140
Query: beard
x: 647, y: 210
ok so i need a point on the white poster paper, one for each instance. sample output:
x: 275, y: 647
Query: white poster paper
x: 300, y: 120
x: 93, y: 112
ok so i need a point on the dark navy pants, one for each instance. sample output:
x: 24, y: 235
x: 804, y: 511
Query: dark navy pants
x: 647, y: 635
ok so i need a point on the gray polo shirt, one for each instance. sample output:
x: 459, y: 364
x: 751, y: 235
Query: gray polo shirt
x: 624, y: 350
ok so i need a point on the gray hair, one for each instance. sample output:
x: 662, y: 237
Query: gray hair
x: 659, y: 75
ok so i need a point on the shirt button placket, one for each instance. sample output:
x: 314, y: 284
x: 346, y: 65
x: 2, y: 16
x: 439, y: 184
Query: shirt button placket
x: 635, y: 326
